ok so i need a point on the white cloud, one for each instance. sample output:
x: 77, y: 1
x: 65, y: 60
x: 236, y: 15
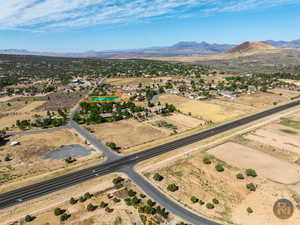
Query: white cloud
x: 49, y: 14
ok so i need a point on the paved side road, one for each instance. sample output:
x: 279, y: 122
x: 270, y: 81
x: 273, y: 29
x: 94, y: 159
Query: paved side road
x: 110, y: 155
x: 37, y: 131
x: 172, y: 206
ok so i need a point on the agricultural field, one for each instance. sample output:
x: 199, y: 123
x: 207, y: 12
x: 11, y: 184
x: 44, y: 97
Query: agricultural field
x: 101, y: 202
x: 239, y: 180
x: 21, y: 164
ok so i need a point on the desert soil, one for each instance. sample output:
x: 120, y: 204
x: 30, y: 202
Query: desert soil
x: 203, y: 110
x: 127, y: 133
x: 243, y: 157
x: 27, y: 157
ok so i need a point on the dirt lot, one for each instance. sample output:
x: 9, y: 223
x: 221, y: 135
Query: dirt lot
x: 277, y: 136
x: 296, y: 82
x: 62, y: 100
x: 22, y: 163
x: 243, y: 157
x: 204, y: 110
x: 202, y: 181
x: 128, y: 81
x: 18, y: 110
x: 127, y: 133
x: 260, y: 101
x: 195, y: 178
x: 101, y: 188
x: 181, y: 122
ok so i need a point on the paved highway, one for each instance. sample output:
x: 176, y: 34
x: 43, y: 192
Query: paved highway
x: 126, y: 163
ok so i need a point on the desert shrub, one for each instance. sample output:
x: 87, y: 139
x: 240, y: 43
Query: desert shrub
x: 158, y: 177
x: 64, y: 217
x: 58, y: 211
x: 249, y: 210
x: 251, y: 187
x: 29, y: 218
x: 142, y: 196
x: 87, y: 195
x: 194, y: 199
x: 206, y: 160
x: 151, y: 203
x: 103, y: 204
x: 251, y: 173
x: 201, y: 202
x: 73, y: 201
x: 90, y: 207
x: 172, y: 187
x: 118, y: 180
x: 82, y: 199
x: 131, y: 193
x: 215, y: 201
x: 219, y: 167
x: 240, y: 176
x: 116, y: 200
x: 209, y: 205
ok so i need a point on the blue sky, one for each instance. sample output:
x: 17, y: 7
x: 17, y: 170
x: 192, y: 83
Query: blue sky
x: 82, y: 25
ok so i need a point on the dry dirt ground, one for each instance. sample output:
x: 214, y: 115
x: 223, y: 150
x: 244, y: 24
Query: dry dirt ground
x: 260, y: 101
x: 180, y: 121
x: 296, y: 82
x: 204, y: 110
x: 127, y: 133
x: 10, y: 112
x: 101, y: 188
x: 128, y: 81
x: 268, y: 166
x: 277, y: 169
x: 195, y: 178
x: 28, y: 164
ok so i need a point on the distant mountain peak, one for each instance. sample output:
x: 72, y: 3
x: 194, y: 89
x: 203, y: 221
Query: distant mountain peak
x: 248, y: 47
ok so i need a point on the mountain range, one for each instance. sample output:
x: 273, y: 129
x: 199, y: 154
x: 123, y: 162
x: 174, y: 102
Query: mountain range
x: 182, y: 49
